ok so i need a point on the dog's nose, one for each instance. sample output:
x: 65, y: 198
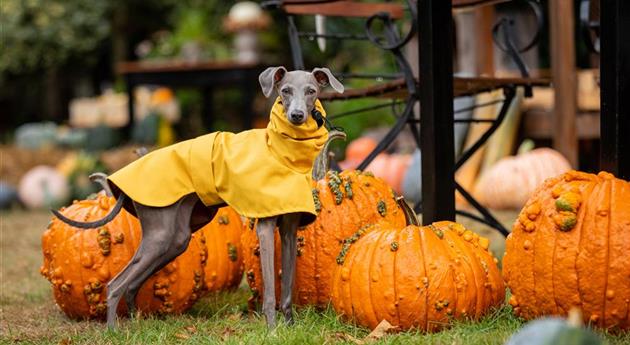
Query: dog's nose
x: 297, y: 116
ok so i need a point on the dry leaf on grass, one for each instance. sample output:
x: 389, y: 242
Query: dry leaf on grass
x: 381, y: 330
x: 191, y: 329
x: 340, y: 336
x: 182, y: 336
x: 65, y: 341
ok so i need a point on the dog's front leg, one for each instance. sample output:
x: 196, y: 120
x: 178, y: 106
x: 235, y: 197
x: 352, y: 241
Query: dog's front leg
x: 288, y: 230
x: 264, y: 230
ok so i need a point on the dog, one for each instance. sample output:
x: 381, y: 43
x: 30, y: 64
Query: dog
x: 261, y: 173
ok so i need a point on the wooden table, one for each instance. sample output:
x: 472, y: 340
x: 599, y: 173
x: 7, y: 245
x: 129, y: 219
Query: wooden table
x: 207, y: 76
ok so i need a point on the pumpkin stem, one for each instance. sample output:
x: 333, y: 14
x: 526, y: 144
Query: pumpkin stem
x: 322, y: 162
x: 101, y: 179
x: 526, y: 146
x: 574, y: 318
x: 410, y: 215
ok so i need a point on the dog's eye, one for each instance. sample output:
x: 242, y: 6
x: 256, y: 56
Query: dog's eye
x: 310, y: 92
x: 286, y: 91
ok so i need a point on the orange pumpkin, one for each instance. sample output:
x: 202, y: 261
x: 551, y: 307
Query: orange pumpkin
x: 360, y: 148
x: 570, y: 248
x: 80, y: 263
x: 224, y: 266
x: 345, y: 202
x: 415, y: 277
x: 391, y: 168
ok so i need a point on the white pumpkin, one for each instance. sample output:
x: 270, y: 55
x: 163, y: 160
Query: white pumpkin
x: 511, y: 181
x: 43, y: 186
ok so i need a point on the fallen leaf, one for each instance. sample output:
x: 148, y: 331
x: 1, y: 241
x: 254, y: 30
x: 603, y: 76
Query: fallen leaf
x: 340, y: 336
x: 65, y: 341
x: 381, y: 330
x: 182, y: 336
x: 191, y: 329
x: 235, y: 317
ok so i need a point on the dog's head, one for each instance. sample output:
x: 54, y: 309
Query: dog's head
x: 297, y: 89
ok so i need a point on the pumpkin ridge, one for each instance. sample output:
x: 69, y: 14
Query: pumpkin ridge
x: 607, y: 237
x: 396, y: 301
x: 587, y: 303
x: 373, y: 253
x: 473, y: 271
x: 335, y: 215
x: 543, y: 236
x: 424, y: 263
x: 585, y: 212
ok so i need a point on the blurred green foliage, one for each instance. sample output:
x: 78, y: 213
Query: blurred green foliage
x: 40, y: 34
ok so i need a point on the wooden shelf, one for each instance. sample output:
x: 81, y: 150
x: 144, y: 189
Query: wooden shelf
x: 461, y: 87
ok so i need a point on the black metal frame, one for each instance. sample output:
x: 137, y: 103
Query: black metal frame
x: 435, y: 93
x: 615, y: 87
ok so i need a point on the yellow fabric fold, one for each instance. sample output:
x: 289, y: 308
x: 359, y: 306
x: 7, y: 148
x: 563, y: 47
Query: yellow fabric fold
x: 260, y: 172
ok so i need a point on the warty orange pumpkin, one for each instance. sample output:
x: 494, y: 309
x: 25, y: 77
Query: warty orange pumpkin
x: 415, y: 277
x: 345, y: 202
x: 570, y: 247
x: 224, y: 266
x: 80, y: 263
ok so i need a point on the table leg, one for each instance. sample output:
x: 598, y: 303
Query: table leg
x: 436, y: 110
x: 615, y: 88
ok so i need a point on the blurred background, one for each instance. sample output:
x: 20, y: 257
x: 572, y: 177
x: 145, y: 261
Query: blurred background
x: 67, y: 69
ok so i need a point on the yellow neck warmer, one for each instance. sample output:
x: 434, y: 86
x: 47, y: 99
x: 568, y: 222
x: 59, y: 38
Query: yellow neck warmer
x: 260, y: 173
x: 295, y: 146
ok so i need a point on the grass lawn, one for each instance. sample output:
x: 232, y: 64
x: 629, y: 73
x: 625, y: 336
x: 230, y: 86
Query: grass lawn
x: 28, y: 313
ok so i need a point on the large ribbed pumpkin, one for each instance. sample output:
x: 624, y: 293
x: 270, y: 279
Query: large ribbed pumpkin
x: 416, y: 277
x: 80, y: 263
x: 570, y: 247
x: 512, y: 180
x: 224, y: 267
x: 344, y: 202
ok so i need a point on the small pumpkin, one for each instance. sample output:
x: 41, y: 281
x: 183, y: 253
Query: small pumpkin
x: 416, y: 277
x: 42, y: 187
x: 512, y: 180
x: 569, y: 248
x: 79, y: 264
x: 345, y: 202
x: 359, y: 149
x: 391, y: 168
x: 224, y: 266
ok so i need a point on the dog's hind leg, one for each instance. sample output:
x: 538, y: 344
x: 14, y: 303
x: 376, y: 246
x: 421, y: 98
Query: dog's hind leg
x: 159, y: 231
x: 180, y: 242
x: 288, y: 230
x: 264, y: 230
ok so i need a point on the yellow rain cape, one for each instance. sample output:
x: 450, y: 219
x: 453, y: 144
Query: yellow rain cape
x: 259, y: 172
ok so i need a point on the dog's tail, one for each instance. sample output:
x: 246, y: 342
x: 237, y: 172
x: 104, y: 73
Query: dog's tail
x: 101, y: 179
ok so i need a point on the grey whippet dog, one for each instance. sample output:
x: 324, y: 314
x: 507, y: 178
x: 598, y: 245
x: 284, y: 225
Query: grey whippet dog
x: 166, y: 231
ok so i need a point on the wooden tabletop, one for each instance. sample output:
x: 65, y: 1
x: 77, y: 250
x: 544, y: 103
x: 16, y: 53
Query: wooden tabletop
x: 129, y: 67
x: 461, y: 87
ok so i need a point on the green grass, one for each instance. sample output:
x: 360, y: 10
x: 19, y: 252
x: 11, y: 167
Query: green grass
x: 29, y: 315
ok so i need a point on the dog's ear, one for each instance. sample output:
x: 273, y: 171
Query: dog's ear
x: 324, y: 78
x: 270, y: 77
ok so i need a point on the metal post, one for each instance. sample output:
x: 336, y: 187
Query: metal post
x: 435, y: 37
x: 615, y: 87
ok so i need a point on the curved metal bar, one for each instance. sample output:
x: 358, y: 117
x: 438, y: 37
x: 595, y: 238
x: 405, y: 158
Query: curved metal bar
x: 488, y: 217
x: 387, y: 20
x: 391, y: 135
x: 535, y: 7
x: 509, y: 96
